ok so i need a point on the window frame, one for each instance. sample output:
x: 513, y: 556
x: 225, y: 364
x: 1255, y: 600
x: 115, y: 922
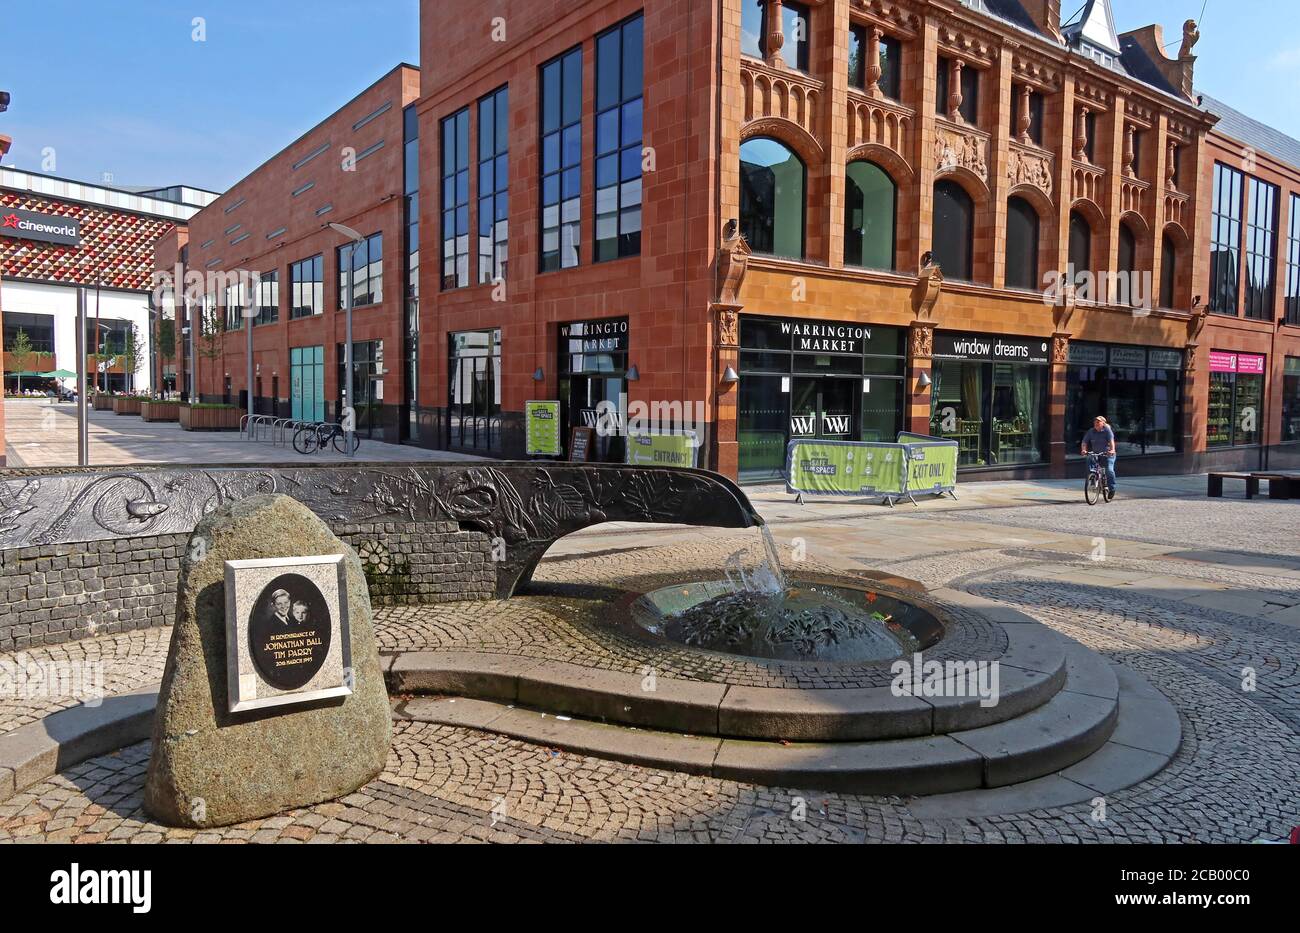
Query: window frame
x: 455, y: 226
x: 545, y: 262
x: 624, y: 245
x: 497, y: 197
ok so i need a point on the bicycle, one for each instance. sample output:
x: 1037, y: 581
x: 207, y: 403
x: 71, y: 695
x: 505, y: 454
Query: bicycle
x: 313, y: 437
x: 1094, y: 485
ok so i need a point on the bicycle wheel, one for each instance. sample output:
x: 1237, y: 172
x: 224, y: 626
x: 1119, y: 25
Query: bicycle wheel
x: 306, y: 440
x: 341, y: 442
x: 1092, y: 490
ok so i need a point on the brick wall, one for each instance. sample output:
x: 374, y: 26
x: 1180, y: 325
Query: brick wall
x: 56, y: 593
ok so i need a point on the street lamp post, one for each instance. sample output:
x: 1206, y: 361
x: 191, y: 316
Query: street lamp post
x: 249, y: 313
x: 349, y: 411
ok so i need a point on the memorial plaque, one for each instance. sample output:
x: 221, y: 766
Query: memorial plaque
x: 286, y: 631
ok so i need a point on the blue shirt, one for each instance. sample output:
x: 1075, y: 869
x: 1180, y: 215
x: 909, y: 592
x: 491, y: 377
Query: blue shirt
x: 1098, y: 442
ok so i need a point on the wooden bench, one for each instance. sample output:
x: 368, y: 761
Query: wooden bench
x: 1281, y: 485
x: 1215, y: 487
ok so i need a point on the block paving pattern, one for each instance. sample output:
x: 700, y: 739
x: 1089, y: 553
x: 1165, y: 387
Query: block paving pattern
x: 1233, y: 676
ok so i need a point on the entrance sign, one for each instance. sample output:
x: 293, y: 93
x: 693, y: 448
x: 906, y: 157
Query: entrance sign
x: 542, y: 427
x: 287, y: 637
x: 645, y: 449
x: 580, y: 444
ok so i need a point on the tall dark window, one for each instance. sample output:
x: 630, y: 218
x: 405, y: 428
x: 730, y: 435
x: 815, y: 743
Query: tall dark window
x: 307, y: 284
x: 890, y: 56
x: 39, y: 329
x: 455, y: 199
x: 1035, y: 116
x: 618, y: 140
x: 954, y: 230
x: 367, y: 261
x: 493, y: 184
x: 1080, y: 243
x: 561, y: 161
x: 1293, y: 264
x: 1090, y: 129
x: 772, y: 181
x: 870, y: 213
x: 1168, y: 272
x: 411, y: 338
x: 1291, y: 399
x: 236, y: 296
x: 795, y: 27
x: 474, y: 390
x: 268, y: 298
x: 1225, y: 239
x: 970, y: 86
x: 1022, y: 245
x: 1126, y: 263
x: 1261, y: 248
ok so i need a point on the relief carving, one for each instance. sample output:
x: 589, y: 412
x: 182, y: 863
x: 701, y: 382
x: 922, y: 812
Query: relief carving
x: 1030, y: 168
x: 955, y: 149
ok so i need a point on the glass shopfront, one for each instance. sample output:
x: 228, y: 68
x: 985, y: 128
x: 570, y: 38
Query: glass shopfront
x: 990, y: 395
x: 367, y: 385
x: 593, y: 369
x: 1236, y: 405
x: 1291, y: 400
x: 1138, y: 390
x: 814, y: 379
x: 474, y: 391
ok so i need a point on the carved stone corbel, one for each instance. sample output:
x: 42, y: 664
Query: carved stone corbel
x: 733, y: 262
x: 926, y: 291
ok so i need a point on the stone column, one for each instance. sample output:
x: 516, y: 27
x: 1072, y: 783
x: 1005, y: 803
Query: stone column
x: 775, y: 34
x: 1060, y: 431
x: 874, y: 71
x: 920, y: 351
x: 727, y: 394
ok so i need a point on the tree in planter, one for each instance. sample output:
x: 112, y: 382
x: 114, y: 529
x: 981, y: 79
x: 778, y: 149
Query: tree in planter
x: 131, y: 349
x: 166, y: 350
x: 21, y: 353
x: 212, y: 337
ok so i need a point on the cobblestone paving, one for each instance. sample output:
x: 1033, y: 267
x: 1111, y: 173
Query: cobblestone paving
x: 572, y: 621
x: 1234, y: 676
x: 85, y: 670
x: 1258, y: 527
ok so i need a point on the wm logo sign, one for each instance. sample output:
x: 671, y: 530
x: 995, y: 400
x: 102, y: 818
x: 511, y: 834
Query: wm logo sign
x: 835, y: 424
x: 803, y: 425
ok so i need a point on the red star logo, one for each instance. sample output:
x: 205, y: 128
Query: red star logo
x: 12, y: 221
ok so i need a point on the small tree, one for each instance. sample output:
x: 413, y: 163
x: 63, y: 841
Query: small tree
x: 131, y: 354
x: 166, y: 349
x: 21, y: 352
x: 212, y: 336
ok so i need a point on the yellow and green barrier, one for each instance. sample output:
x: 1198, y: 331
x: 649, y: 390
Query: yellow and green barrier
x: 645, y: 449
x: 542, y: 429
x: 916, y: 464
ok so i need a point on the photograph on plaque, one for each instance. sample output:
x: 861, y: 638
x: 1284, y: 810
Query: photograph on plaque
x: 286, y: 631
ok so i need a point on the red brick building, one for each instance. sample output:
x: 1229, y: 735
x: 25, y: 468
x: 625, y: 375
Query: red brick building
x: 765, y: 220
x: 274, y: 224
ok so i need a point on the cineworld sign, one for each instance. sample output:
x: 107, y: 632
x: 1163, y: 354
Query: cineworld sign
x: 28, y: 225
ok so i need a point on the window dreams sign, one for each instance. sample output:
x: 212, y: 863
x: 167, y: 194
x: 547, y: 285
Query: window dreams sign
x: 995, y: 348
x: 45, y: 228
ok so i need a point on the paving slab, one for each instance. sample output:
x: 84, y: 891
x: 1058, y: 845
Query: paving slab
x: 1042, y: 793
x: 1114, y: 767
x: 1147, y: 720
x: 822, y: 715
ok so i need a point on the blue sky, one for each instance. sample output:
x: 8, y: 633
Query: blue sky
x: 137, y: 97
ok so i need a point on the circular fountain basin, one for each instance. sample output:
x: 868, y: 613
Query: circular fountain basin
x: 811, y: 621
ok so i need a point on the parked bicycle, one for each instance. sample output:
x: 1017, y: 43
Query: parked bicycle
x: 1094, y: 486
x: 310, y: 438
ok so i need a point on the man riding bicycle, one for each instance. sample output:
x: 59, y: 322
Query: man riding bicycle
x: 1100, y: 440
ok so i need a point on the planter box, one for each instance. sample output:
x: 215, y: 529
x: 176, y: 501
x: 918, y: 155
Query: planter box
x: 160, y: 411
x: 209, y: 419
x: 122, y: 405
x: 101, y: 402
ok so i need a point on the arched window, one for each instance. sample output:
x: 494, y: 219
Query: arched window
x: 954, y: 230
x: 1127, y: 261
x: 1022, y: 244
x: 1168, y: 271
x: 772, y: 198
x: 1126, y: 265
x: 870, y: 202
x: 1080, y: 243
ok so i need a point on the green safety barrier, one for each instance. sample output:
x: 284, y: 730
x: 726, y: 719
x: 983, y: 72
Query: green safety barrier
x: 931, y: 464
x: 916, y: 464
x: 680, y: 450
x: 542, y: 428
